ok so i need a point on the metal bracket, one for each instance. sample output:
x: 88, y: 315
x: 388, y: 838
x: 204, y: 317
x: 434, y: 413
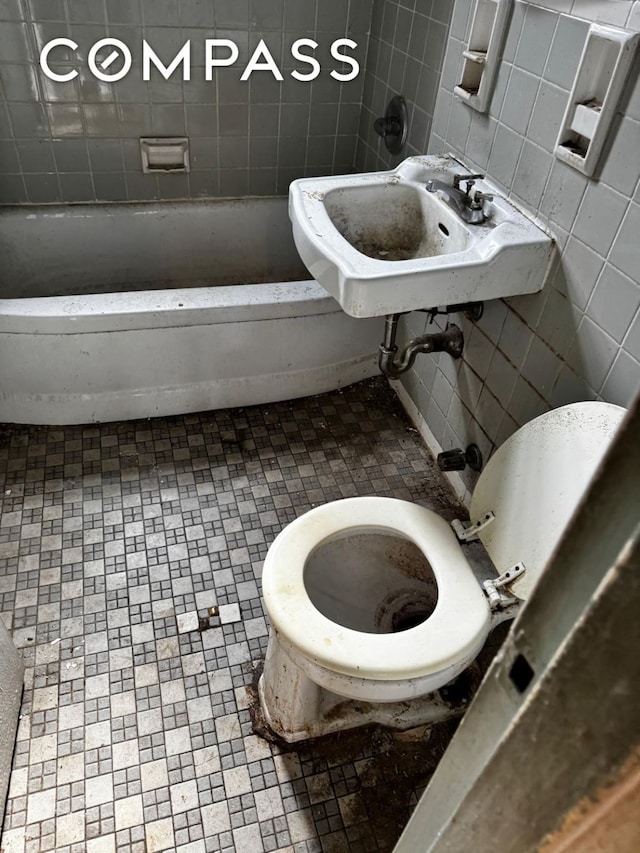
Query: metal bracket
x: 469, y: 532
x: 493, y: 587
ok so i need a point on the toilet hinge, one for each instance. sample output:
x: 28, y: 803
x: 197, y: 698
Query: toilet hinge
x: 493, y: 587
x: 469, y: 532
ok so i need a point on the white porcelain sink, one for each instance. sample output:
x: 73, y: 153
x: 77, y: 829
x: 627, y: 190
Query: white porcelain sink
x: 381, y: 243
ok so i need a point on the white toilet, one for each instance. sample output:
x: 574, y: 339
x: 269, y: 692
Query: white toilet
x: 373, y: 603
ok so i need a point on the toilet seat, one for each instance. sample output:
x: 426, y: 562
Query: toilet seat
x: 449, y: 639
x: 520, y: 507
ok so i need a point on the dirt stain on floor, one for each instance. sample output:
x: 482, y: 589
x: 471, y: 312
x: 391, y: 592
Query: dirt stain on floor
x: 392, y: 769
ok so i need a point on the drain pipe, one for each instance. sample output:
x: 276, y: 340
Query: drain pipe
x: 393, y: 364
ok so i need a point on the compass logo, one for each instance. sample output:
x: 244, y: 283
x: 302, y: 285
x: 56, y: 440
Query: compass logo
x: 110, y: 60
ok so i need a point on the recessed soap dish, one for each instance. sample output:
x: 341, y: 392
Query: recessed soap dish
x: 482, y: 57
x: 606, y: 59
x: 164, y: 154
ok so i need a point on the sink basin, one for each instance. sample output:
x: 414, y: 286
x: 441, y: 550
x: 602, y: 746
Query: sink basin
x: 395, y: 221
x: 381, y: 243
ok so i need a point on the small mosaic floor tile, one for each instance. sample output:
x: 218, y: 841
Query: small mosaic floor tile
x: 188, y: 622
x: 130, y: 564
x: 229, y: 613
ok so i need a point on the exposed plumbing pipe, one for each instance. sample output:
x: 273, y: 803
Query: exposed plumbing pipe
x: 393, y: 364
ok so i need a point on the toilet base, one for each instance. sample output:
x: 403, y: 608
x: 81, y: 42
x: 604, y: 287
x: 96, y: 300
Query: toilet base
x: 295, y: 708
x: 348, y: 714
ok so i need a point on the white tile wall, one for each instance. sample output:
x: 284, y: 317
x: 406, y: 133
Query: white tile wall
x: 580, y: 337
x: 247, y: 138
x: 406, y: 49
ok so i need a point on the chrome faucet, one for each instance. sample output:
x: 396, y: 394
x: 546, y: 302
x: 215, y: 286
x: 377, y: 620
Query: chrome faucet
x: 469, y: 208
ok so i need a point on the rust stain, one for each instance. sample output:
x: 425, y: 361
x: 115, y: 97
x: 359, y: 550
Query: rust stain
x: 605, y: 822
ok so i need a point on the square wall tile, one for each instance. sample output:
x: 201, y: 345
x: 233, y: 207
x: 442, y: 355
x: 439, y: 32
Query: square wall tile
x: 14, y: 42
x: 623, y: 381
x: 621, y: 169
x: 42, y: 188
x: 570, y: 388
x: 599, y: 217
x: 19, y: 82
x: 87, y: 11
x: 547, y: 115
x: 480, y: 141
x: 160, y: 13
x: 531, y: 174
x: 535, y: 39
x: 515, y: 30
x: 566, y: 49
x: 11, y: 10
x: 12, y: 189
x: 632, y: 340
x: 580, y: 268
x: 76, y: 186
x: 519, y: 100
x: 592, y: 354
x: 558, y: 323
x: 505, y: 153
x: 47, y: 10
x: 9, y: 156
x: 624, y: 253
x: 36, y: 156
x: 614, y: 302
x: 71, y: 155
x: 233, y: 14
x: 563, y: 195
x: 541, y: 367
x: 29, y: 121
x: 125, y: 11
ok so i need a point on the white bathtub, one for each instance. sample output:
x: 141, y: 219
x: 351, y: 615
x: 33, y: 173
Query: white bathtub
x: 119, y: 311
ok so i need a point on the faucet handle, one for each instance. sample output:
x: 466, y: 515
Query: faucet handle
x: 479, y: 199
x: 468, y: 179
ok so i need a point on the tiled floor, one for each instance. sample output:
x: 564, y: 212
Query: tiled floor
x: 117, y: 544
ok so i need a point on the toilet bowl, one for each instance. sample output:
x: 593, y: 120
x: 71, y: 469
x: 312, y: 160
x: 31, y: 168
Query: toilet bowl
x: 374, y: 605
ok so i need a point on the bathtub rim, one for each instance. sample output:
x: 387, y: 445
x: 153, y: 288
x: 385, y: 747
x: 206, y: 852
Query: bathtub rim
x: 154, y: 309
